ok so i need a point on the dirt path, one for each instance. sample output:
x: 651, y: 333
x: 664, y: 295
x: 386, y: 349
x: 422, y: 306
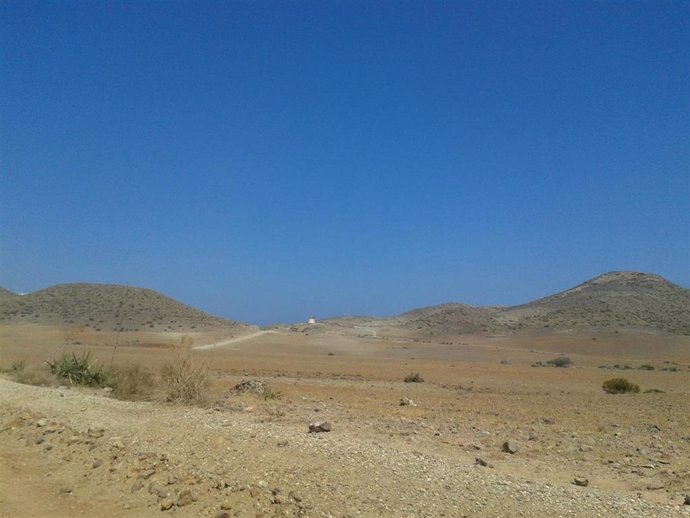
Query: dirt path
x: 231, y: 341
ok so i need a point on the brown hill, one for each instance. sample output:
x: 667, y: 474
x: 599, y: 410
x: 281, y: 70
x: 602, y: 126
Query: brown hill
x: 107, y: 307
x: 452, y: 318
x: 625, y: 301
x: 619, y: 300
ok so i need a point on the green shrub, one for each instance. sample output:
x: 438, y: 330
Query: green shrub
x: 620, y: 386
x: 79, y: 370
x: 414, y: 377
x: 561, y: 361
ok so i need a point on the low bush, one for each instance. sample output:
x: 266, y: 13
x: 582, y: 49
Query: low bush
x: 620, y: 386
x: 646, y: 367
x: 654, y: 391
x: 185, y: 380
x: 414, y: 377
x: 133, y: 382
x: 79, y: 370
x: 561, y: 361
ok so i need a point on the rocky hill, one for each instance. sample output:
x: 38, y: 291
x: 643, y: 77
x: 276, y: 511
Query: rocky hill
x: 621, y: 300
x: 627, y: 301
x: 107, y: 307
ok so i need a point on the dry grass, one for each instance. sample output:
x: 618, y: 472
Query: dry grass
x: 133, y: 382
x: 186, y: 379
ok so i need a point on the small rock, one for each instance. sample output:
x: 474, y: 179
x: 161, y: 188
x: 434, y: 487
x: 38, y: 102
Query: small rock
x: 253, y: 492
x: 166, y: 504
x: 582, y: 482
x: 95, y: 432
x: 222, y: 514
x: 481, y: 462
x: 295, y: 497
x: 185, y: 497
x: 67, y: 490
x: 137, y: 486
x: 38, y: 440
x: 96, y: 463
x: 282, y: 444
x: 407, y: 402
x: 42, y: 422
x: 653, y: 486
x: 510, y: 447
x: 226, y: 505
x: 549, y: 420
x: 687, y: 500
x: 319, y: 426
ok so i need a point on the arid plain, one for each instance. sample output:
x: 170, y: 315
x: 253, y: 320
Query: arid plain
x: 492, y: 430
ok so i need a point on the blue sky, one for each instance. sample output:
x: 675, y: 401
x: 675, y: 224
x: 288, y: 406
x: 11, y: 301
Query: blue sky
x: 268, y: 160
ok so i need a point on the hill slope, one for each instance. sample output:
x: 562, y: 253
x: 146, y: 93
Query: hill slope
x: 629, y: 300
x: 106, y: 307
x: 613, y: 301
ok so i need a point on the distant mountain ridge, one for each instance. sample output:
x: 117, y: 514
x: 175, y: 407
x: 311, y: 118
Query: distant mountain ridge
x: 612, y: 301
x: 107, y: 307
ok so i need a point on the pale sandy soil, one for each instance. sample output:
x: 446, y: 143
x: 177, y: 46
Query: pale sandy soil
x: 380, y: 459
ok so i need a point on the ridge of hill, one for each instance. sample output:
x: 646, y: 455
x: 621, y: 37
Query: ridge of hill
x: 622, y: 300
x: 107, y: 307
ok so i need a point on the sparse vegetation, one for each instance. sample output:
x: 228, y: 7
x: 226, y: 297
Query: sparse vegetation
x: 620, y: 386
x: 79, y: 370
x: 133, y: 382
x: 186, y: 379
x: 561, y: 362
x: 414, y: 377
x: 646, y: 367
x: 654, y: 391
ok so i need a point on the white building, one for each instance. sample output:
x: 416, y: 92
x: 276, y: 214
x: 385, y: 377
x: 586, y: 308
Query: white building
x: 311, y: 321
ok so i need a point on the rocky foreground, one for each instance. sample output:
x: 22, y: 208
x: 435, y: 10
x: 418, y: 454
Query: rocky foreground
x: 70, y: 452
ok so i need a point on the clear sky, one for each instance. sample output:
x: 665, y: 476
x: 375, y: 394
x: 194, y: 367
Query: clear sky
x: 269, y: 160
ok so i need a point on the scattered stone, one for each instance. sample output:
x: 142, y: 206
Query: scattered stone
x: 96, y: 463
x: 253, y: 492
x: 147, y: 474
x: 582, y: 482
x: 67, y: 490
x: 137, y: 486
x: 96, y: 432
x: 39, y: 440
x: 222, y: 514
x: 687, y: 500
x: 116, y: 442
x: 654, y: 486
x: 510, y: 447
x: 282, y: 444
x: 166, y: 504
x: 319, y: 426
x: 185, y: 497
x: 549, y: 420
x: 295, y: 497
x: 406, y: 401
x: 481, y: 462
x: 226, y: 506
x: 42, y: 422
x: 252, y: 386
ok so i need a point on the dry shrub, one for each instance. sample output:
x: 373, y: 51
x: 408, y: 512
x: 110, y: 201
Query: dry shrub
x: 39, y: 376
x: 186, y: 379
x: 133, y: 382
x: 620, y: 386
x: 414, y: 377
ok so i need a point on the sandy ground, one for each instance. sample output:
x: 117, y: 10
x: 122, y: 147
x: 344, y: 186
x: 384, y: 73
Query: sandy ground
x: 381, y: 458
